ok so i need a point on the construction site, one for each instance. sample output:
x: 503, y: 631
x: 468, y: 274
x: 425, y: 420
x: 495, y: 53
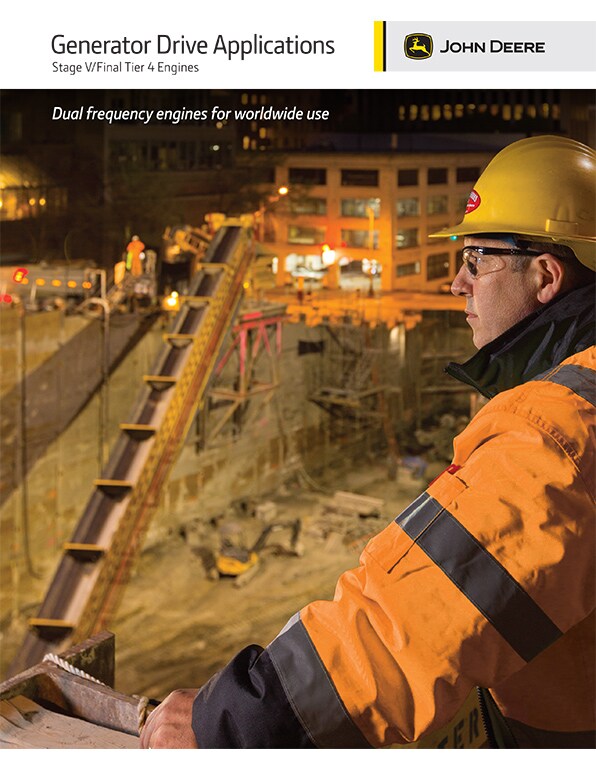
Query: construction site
x: 239, y: 451
x: 201, y: 433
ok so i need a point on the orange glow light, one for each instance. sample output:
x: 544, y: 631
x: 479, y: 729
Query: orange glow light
x: 20, y: 275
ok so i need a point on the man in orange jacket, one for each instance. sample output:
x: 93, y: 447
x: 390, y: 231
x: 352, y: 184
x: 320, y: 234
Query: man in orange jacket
x: 134, y: 250
x: 487, y: 579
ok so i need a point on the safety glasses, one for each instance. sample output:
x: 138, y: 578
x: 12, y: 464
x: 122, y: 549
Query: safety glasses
x: 480, y: 260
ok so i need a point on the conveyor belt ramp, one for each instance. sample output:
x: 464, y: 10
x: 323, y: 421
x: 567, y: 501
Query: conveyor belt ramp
x: 94, y: 568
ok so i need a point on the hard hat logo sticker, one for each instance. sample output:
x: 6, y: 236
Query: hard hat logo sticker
x: 418, y: 46
x: 473, y: 202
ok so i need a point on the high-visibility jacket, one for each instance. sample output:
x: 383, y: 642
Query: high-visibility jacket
x: 133, y: 257
x: 485, y: 580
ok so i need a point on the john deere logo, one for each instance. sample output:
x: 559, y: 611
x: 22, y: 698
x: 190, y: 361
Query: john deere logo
x: 418, y: 46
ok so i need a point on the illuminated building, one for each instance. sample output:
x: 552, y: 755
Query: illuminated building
x: 379, y: 207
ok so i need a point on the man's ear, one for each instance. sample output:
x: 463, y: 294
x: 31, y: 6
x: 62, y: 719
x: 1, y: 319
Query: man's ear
x: 550, y: 274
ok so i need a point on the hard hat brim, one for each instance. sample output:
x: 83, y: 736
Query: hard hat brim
x: 583, y: 248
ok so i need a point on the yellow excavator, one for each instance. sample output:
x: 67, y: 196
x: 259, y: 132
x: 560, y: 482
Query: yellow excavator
x: 232, y: 561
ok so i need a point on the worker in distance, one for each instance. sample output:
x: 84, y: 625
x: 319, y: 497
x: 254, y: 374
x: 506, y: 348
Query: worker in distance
x: 486, y: 580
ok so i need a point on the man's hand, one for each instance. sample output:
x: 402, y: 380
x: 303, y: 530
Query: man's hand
x: 169, y: 725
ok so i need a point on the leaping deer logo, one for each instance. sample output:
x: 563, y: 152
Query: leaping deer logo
x: 418, y: 46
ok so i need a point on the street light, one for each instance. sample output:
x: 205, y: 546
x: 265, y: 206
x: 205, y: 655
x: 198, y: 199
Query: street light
x: 329, y: 259
x: 327, y: 255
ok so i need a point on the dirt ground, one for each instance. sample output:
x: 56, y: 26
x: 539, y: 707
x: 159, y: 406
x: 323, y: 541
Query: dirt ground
x: 177, y: 626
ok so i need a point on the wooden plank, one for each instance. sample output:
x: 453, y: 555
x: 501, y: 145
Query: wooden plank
x: 25, y: 724
x: 360, y: 504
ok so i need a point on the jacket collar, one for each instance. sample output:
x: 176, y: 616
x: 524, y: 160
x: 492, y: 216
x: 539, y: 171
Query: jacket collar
x: 533, y: 346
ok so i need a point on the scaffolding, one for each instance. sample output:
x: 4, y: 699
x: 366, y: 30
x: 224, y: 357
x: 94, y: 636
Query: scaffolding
x: 246, y: 377
x: 357, y: 383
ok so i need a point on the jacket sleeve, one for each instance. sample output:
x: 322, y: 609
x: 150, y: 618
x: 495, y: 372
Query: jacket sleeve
x: 487, y: 568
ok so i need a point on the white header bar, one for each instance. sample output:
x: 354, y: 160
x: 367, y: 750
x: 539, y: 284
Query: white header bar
x: 66, y: 45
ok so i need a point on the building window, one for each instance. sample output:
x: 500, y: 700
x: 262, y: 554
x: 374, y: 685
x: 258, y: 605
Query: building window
x: 406, y: 238
x: 410, y: 268
x: 170, y: 156
x: 437, y: 176
x: 407, y: 207
x: 437, y: 266
x: 359, y: 177
x: 407, y: 177
x: 437, y: 204
x: 313, y: 206
x: 305, y: 235
x: 467, y: 174
x: 307, y: 176
x: 262, y: 175
x: 359, y: 207
x: 359, y: 239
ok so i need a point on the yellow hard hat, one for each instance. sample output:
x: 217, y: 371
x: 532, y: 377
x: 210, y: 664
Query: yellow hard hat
x: 544, y: 188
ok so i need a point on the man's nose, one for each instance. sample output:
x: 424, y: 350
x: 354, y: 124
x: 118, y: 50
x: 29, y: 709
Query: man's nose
x: 461, y: 283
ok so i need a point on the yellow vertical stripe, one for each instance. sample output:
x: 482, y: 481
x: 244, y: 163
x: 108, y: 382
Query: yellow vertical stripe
x: 379, y: 46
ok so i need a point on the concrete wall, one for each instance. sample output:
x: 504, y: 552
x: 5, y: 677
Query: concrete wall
x: 45, y: 333
x: 39, y: 515
x: 52, y: 363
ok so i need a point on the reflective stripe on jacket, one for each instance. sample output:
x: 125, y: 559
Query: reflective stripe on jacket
x: 487, y: 579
